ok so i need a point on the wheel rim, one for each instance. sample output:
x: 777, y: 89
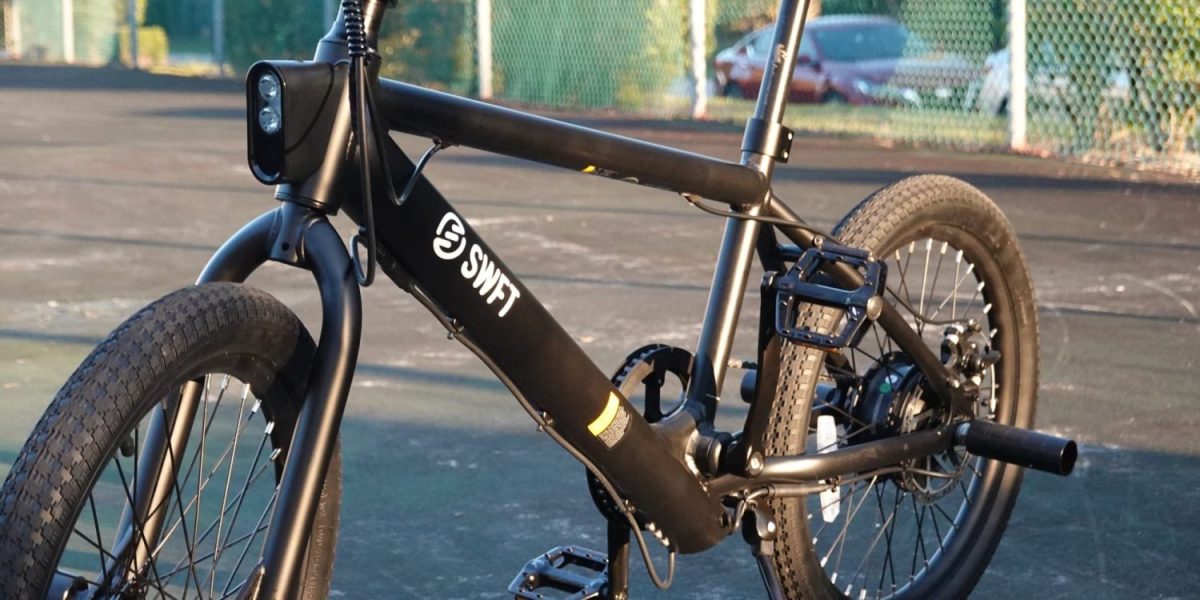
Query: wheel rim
x: 890, y: 539
x: 214, y: 520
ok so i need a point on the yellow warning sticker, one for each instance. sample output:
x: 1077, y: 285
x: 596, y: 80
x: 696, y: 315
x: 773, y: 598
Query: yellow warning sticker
x: 606, y: 416
x: 613, y: 422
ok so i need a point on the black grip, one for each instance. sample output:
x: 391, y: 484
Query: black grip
x: 1018, y: 446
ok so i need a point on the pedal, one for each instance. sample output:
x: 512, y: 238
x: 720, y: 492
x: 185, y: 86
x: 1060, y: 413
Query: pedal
x: 799, y: 286
x: 564, y: 573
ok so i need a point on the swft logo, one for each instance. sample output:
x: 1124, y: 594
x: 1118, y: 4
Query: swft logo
x: 450, y: 242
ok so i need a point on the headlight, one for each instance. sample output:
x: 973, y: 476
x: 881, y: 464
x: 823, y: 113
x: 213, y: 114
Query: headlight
x: 865, y: 87
x: 268, y: 119
x: 268, y: 86
x: 290, y: 108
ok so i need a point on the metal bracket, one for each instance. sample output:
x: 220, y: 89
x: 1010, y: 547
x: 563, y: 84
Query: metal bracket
x: 759, y: 530
x: 253, y: 585
x: 768, y: 139
x: 287, y: 233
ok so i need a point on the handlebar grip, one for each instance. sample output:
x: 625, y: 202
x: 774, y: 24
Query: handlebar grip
x: 1017, y: 446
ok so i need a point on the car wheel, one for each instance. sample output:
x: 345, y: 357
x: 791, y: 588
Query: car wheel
x: 834, y: 97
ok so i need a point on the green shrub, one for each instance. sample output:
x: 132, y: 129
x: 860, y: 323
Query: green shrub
x: 261, y: 29
x: 152, y: 46
x: 428, y: 42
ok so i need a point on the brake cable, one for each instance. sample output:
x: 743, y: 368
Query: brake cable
x: 916, y: 314
x: 359, y: 51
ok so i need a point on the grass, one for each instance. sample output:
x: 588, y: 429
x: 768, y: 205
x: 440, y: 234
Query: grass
x: 962, y: 129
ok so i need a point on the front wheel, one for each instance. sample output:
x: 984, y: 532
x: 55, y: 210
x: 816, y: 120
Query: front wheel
x: 928, y: 528
x: 223, y: 368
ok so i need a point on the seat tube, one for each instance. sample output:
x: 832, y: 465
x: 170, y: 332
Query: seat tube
x: 738, y: 244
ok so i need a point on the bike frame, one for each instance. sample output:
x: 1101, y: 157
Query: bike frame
x: 432, y: 253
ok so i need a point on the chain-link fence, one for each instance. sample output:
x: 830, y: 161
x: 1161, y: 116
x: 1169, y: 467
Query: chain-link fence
x: 905, y: 70
x: 1112, y: 81
x: 1121, y: 83
x: 87, y: 32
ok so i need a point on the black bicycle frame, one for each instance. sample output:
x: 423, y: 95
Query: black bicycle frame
x: 428, y: 249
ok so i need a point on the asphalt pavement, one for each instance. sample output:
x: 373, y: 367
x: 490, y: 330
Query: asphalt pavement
x: 115, y: 187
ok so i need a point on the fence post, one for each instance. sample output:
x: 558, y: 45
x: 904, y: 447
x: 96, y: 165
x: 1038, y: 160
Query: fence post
x: 1018, y: 90
x: 12, y: 29
x: 131, y: 20
x: 483, y: 46
x: 218, y: 35
x: 699, y: 45
x: 68, y: 30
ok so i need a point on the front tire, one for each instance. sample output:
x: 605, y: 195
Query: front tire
x: 63, y: 507
x: 952, y: 256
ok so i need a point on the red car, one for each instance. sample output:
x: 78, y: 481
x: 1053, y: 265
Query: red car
x: 852, y: 59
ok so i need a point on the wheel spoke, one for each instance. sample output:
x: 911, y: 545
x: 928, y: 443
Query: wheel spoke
x: 846, y: 525
x: 883, y: 528
x: 208, y: 531
x: 211, y: 475
x: 237, y: 435
x: 138, y: 528
x: 191, y: 547
x: 937, y: 270
x: 932, y: 278
x: 924, y: 279
x: 99, y: 539
x: 919, y: 542
x: 262, y: 518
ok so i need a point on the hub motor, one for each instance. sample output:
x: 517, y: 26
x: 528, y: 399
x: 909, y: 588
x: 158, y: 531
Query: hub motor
x: 891, y: 399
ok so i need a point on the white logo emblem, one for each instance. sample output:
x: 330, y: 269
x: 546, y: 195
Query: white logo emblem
x: 450, y: 239
x: 481, y: 270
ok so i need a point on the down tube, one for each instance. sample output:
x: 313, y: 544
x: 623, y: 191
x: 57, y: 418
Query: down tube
x: 464, y: 276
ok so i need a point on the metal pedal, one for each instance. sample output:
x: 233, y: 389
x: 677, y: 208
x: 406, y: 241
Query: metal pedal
x: 798, y: 286
x: 564, y: 573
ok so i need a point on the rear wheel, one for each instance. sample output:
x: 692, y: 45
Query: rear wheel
x: 926, y: 529
x: 66, y: 521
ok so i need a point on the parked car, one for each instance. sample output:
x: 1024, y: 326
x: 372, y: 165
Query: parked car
x: 854, y: 60
x: 1048, y: 82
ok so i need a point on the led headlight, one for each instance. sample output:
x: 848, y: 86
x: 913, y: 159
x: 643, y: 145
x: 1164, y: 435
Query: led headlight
x: 268, y: 120
x: 268, y: 86
x: 289, y: 111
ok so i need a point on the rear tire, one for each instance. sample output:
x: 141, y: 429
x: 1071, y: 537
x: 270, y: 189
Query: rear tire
x: 64, y: 493
x: 894, y: 536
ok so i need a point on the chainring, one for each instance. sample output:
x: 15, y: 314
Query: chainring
x: 647, y: 366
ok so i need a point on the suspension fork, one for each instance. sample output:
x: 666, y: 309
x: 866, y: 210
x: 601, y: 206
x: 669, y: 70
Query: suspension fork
x: 301, y: 237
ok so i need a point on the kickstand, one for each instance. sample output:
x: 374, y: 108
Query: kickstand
x: 618, y: 561
x: 758, y: 529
